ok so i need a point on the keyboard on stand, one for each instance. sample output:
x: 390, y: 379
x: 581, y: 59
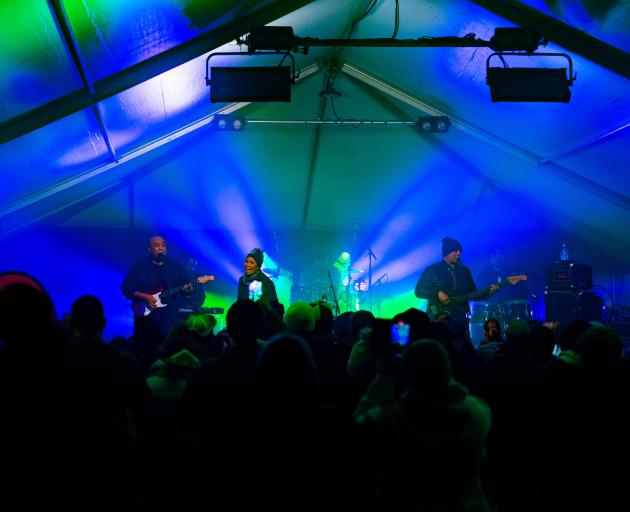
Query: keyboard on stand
x: 203, y: 311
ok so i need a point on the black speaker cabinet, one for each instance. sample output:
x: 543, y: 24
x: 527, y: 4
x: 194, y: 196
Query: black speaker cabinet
x: 566, y: 305
x: 569, y: 275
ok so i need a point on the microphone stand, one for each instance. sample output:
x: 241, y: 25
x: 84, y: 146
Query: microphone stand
x: 334, y: 294
x: 378, y: 281
x: 370, y: 255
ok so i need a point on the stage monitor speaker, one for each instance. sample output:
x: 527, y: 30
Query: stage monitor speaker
x: 566, y: 305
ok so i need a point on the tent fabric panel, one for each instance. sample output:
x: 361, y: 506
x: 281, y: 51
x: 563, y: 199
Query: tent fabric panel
x: 35, y: 67
x: 115, y: 34
x: 47, y: 157
x: 607, y: 21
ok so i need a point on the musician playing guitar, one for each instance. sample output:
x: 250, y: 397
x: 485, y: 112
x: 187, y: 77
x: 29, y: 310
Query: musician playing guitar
x: 444, y: 280
x: 151, y: 280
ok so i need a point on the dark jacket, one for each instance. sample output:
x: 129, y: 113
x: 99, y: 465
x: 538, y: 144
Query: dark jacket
x: 146, y: 277
x: 455, y: 281
x: 268, y: 297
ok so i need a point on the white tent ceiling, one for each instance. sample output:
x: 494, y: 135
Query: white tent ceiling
x: 105, y: 122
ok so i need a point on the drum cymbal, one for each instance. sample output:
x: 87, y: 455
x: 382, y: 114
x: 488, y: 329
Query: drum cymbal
x: 516, y: 301
x: 275, y: 272
x: 480, y: 304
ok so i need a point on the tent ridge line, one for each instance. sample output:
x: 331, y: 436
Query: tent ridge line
x: 477, y: 132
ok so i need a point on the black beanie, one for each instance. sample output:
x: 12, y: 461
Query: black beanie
x: 257, y: 254
x: 449, y: 245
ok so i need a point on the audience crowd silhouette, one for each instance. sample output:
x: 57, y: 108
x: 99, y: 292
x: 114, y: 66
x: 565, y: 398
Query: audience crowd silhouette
x: 308, y: 410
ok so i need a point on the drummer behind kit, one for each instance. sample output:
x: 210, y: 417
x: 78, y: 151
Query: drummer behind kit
x: 330, y: 283
x: 503, y: 311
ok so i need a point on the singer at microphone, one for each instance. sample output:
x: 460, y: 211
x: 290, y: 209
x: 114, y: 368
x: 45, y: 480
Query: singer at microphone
x: 151, y: 275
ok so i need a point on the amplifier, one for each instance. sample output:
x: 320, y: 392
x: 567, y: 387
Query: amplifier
x: 566, y: 305
x: 569, y: 275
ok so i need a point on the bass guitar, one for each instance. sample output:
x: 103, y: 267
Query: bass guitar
x: 438, y: 309
x: 141, y: 308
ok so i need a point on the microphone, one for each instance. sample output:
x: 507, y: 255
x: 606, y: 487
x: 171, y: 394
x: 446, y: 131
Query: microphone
x: 371, y: 254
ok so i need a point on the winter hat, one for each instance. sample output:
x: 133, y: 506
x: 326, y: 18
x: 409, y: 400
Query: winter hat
x: 425, y: 364
x: 449, y: 245
x: 201, y: 324
x: 300, y: 317
x: 517, y: 328
x: 258, y: 256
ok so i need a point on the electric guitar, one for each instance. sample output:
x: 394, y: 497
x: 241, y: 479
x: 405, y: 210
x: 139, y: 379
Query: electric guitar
x: 438, y: 308
x: 141, y: 308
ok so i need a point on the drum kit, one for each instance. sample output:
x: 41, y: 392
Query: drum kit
x: 317, y: 282
x: 505, y: 312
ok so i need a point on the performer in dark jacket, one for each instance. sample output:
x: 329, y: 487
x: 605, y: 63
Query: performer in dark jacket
x: 254, y: 284
x: 446, y: 284
x: 153, y: 275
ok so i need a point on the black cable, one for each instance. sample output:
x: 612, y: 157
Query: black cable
x: 332, y: 104
x: 361, y: 17
x: 356, y: 20
x: 396, y: 20
x: 282, y: 60
x: 612, y: 302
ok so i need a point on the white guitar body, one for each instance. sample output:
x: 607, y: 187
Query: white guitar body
x: 158, y: 304
x: 142, y: 309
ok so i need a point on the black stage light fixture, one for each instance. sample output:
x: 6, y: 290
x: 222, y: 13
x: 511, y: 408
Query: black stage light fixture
x: 247, y: 83
x: 250, y: 84
x: 228, y: 123
x: 433, y: 124
x: 529, y: 84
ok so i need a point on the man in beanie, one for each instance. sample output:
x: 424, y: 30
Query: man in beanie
x: 446, y: 285
x: 254, y: 284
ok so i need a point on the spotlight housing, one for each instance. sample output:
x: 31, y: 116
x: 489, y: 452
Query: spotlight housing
x: 529, y: 84
x: 433, y: 124
x: 261, y: 83
x: 228, y: 123
x: 250, y: 83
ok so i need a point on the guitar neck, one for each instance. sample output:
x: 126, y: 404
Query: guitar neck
x: 437, y: 308
x: 486, y: 291
x: 482, y: 292
x: 171, y: 291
